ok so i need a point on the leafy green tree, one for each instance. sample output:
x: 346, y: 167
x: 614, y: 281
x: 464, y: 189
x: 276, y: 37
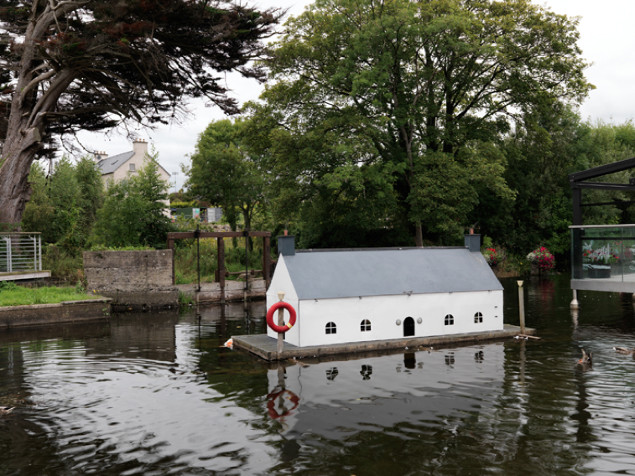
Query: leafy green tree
x: 91, y: 64
x: 411, y: 87
x: 91, y: 193
x: 39, y: 212
x: 541, y: 153
x: 63, y: 207
x: 226, y: 174
x: 64, y: 194
x: 544, y: 149
x: 55, y: 209
x: 133, y: 213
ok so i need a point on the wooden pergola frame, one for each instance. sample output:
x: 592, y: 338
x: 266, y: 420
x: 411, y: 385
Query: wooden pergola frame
x: 220, y: 236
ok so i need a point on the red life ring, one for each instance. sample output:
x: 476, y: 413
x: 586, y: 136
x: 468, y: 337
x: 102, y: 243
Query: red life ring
x: 273, y: 397
x: 273, y: 309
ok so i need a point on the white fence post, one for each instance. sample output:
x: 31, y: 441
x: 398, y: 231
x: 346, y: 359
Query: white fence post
x: 23, y: 252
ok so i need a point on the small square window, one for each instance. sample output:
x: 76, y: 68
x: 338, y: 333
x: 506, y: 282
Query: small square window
x: 365, y: 325
x: 132, y: 167
x: 449, y: 320
x: 331, y: 328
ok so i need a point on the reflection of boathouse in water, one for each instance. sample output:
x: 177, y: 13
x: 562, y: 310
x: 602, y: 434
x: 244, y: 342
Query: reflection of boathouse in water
x: 332, y: 399
x: 358, y: 295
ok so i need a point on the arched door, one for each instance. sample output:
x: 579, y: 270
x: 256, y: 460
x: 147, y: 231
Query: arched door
x: 408, y: 327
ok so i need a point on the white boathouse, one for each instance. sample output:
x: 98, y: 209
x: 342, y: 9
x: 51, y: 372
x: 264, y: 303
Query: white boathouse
x: 357, y: 295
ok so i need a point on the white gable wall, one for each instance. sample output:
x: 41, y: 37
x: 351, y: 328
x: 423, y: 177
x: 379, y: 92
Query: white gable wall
x: 281, y: 281
x: 384, y: 311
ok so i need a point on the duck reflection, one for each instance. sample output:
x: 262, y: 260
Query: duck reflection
x: 331, y: 373
x: 366, y: 372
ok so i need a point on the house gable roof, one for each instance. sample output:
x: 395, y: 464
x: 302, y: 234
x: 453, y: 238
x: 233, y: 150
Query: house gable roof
x: 380, y: 272
x: 110, y: 164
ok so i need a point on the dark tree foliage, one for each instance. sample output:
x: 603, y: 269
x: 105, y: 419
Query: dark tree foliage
x: 422, y: 90
x: 226, y: 173
x: 91, y: 64
x: 63, y: 205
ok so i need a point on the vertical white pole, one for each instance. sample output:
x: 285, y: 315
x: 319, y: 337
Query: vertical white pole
x: 34, y: 243
x: 575, y: 305
x: 9, y: 254
x: 280, y: 323
x: 521, y: 306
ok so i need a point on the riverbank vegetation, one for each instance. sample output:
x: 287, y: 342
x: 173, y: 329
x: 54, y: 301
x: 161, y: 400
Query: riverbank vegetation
x: 411, y: 123
x: 404, y: 125
x: 75, y: 211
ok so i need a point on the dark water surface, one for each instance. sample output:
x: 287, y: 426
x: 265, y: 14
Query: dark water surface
x: 156, y: 394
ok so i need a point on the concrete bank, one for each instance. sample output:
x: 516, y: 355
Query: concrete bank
x: 135, y: 279
x: 141, y: 280
x: 264, y: 346
x: 234, y: 291
x: 49, y: 314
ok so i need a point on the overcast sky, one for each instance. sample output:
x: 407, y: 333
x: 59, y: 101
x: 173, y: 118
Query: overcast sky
x: 607, y: 41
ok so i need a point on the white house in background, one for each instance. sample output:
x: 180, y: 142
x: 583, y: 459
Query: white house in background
x: 359, y: 295
x: 118, y: 167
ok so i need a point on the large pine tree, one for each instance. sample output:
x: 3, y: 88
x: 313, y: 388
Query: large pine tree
x: 69, y: 65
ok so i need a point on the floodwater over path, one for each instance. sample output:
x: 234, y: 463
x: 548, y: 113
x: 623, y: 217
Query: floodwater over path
x: 157, y: 394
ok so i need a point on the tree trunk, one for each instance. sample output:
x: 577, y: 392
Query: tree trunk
x: 27, y: 118
x: 14, y: 175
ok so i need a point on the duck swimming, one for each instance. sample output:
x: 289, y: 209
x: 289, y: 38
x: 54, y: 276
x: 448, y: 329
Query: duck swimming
x: 586, y: 359
x: 624, y: 350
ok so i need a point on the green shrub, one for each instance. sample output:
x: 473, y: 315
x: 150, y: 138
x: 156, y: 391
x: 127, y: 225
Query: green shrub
x: 63, y: 266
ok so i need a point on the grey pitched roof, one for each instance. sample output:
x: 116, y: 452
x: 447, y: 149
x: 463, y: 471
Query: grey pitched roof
x: 110, y: 164
x: 346, y: 273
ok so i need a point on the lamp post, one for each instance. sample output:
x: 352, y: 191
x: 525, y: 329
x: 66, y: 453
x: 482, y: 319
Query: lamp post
x: 175, y: 175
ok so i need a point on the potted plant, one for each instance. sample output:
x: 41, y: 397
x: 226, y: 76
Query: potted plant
x: 541, y: 260
x: 491, y: 256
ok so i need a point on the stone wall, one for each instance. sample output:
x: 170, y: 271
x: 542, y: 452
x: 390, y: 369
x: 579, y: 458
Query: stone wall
x: 52, y: 314
x: 135, y: 280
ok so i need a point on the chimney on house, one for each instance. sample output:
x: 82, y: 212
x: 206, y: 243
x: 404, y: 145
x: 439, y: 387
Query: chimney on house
x: 286, y: 245
x: 473, y: 242
x: 140, y: 147
x: 100, y: 155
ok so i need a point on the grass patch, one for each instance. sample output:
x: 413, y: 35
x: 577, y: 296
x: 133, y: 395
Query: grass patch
x: 14, y: 295
x: 185, y: 299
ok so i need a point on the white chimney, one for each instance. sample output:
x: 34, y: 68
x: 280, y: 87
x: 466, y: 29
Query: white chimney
x: 140, y: 147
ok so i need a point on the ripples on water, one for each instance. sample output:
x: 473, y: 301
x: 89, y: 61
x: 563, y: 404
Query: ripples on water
x: 156, y: 394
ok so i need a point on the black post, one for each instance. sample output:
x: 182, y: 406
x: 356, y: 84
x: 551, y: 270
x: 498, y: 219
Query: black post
x: 246, y: 233
x: 197, y: 234
x: 576, y: 234
x: 577, y: 204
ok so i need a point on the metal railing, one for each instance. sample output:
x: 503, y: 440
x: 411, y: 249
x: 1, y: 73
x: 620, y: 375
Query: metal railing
x: 20, y: 252
x: 603, y: 251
